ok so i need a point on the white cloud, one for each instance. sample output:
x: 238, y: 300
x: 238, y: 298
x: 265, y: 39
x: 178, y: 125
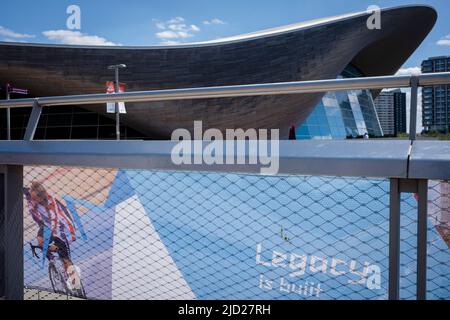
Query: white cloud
x: 414, y: 71
x: 13, y: 40
x: 5, y: 32
x: 445, y: 41
x: 175, y: 29
x: 213, y: 21
x: 76, y: 38
x: 170, y: 42
x: 176, y: 20
x: 168, y: 34
x: 160, y: 25
x: 195, y: 28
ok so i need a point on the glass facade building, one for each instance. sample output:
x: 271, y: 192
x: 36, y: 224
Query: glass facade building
x: 400, y: 112
x: 436, y: 99
x: 391, y: 110
x: 343, y: 114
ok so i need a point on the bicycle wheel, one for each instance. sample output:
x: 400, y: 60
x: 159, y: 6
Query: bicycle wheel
x: 80, y: 293
x: 78, y: 290
x: 57, y: 280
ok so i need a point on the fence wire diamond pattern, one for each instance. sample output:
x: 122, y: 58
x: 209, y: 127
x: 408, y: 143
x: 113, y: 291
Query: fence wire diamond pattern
x: 138, y: 234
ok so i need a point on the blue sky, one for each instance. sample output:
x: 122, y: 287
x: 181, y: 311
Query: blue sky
x: 139, y: 22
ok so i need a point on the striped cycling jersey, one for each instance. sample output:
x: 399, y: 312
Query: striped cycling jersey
x: 56, y: 217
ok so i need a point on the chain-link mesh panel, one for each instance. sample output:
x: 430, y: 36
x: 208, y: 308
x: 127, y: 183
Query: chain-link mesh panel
x: 438, y: 263
x: 2, y: 237
x: 408, y: 246
x: 438, y: 246
x: 136, y: 234
x: 34, y: 293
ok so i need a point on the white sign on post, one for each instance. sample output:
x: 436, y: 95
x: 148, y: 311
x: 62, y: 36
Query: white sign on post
x: 111, y: 106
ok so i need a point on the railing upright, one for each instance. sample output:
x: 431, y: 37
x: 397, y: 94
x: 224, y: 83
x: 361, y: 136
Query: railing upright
x: 12, y: 230
x: 394, y: 240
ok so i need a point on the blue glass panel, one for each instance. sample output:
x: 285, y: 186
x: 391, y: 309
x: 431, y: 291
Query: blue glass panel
x: 342, y: 114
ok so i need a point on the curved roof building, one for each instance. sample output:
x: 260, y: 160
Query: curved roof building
x: 319, y: 49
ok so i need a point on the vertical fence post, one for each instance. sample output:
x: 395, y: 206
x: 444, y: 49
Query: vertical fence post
x: 12, y: 233
x: 8, y: 124
x: 422, y: 229
x: 394, y: 240
x: 33, y: 121
x: 2, y: 230
x: 8, y: 115
x: 413, y: 115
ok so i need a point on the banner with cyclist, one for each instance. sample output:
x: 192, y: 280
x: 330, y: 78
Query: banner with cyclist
x: 131, y: 234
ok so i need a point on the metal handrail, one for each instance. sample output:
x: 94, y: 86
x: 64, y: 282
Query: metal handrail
x: 350, y: 158
x: 323, y: 158
x: 316, y: 86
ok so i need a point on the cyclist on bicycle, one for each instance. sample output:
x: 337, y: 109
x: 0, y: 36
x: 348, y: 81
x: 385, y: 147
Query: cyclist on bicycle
x: 48, y: 213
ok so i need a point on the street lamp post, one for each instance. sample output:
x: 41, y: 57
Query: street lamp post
x: 116, y: 68
x: 8, y: 114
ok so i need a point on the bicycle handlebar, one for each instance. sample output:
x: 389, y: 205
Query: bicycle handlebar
x: 33, y: 250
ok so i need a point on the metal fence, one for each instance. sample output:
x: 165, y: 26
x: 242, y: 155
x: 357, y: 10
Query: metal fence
x: 173, y: 235
x: 341, y: 220
x: 221, y: 233
x: 437, y: 243
x: 145, y: 234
